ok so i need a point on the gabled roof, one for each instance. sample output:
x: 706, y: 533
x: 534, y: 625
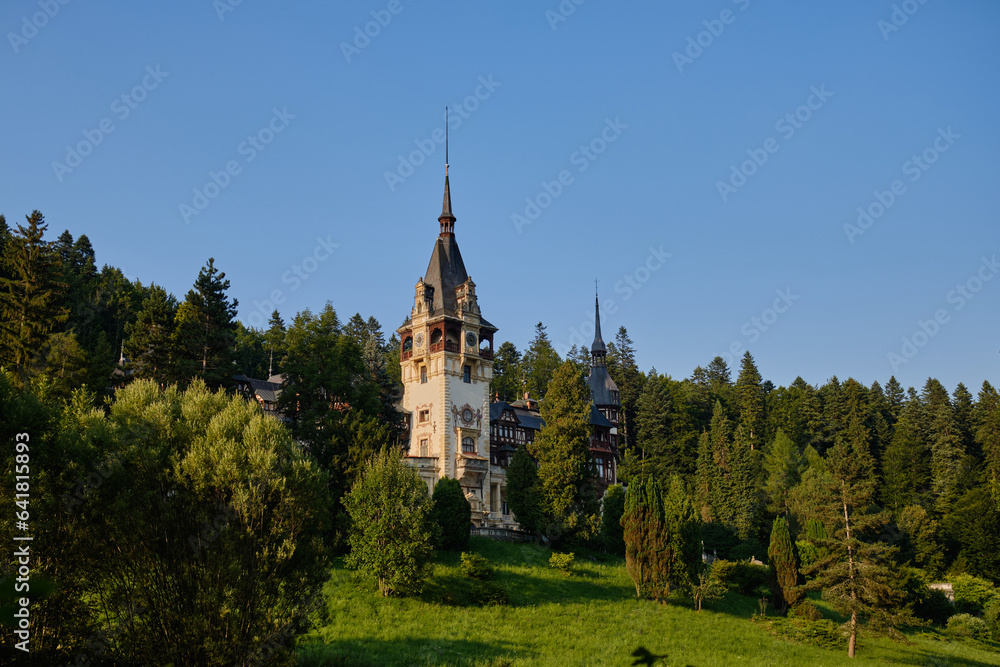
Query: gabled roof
x: 597, y: 418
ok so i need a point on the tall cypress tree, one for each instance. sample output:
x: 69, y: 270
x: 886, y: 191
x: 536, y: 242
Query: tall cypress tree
x: 522, y: 490
x: 784, y: 563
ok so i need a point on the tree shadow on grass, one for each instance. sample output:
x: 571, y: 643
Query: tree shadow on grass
x: 410, y: 651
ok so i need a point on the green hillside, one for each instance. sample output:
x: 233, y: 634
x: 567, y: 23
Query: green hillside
x: 590, y: 618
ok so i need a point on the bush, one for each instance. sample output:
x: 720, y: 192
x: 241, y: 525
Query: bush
x: 452, y: 513
x: 475, y: 566
x: 972, y: 593
x: 562, y: 562
x: 967, y: 626
x: 748, y: 549
x: 489, y: 593
x: 807, y: 610
x: 991, y: 614
x: 934, y: 606
x: 744, y: 578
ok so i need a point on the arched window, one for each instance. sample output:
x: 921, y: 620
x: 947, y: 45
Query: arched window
x: 468, y: 445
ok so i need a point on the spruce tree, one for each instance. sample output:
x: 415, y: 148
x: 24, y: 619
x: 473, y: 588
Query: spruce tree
x: 945, y: 444
x: 906, y: 461
x: 783, y: 466
x: 32, y: 298
x: 750, y: 400
x: 205, y: 330
x: 625, y: 372
x: 506, y: 382
x: 148, y: 339
x: 653, y: 422
x: 539, y: 364
x: 986, y: 417
x: 562, y: 448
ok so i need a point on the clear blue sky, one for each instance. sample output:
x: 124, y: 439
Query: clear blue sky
x: 673, y: 129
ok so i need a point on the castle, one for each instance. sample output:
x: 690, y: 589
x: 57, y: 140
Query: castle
x: 446, y: 355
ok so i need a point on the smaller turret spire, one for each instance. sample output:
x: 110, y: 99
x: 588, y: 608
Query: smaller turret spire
x: 447, y: 218
x: 597, y: 350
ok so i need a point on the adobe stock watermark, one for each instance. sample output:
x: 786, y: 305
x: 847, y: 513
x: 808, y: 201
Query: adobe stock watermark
x: 223, y: 7
x: 787, y: 126
x: 426, y: 147
x: 298, y: 273
x: 752, y: 329
x: 629, y: 284
x: 957, y: 297
x: 901, y: 13
x: 562, y: 12
x: 363, y: 37
x: 122, y: 107
x: 581, y: 158
x: 249, y: 149
x: 30, y: 26
x: 697, y: 44
x: 914, y: 168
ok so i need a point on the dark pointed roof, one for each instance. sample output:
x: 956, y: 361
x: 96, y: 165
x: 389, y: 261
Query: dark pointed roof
x: 445, y: 272
x: 601, y: 386
x: 598, y: 346
x: 446, y: 213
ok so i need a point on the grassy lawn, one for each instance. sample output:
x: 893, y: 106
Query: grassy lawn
x: 590, y: 618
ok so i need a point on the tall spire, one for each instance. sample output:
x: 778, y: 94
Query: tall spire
x: 597, y: 350
x: 447, y: 219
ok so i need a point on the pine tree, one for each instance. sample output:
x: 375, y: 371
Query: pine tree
x: 612, y: 510
x: 539, y: 364
x: 205, y: 329
x: 565, y: 466
x: 750, y: 400
x: 275, y: 337
x: 855, y: 577
x: 31, y: 300
x: 148, y: 340
x: 782, y: 559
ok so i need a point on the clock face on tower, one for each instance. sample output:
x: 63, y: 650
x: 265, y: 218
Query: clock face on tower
x: 419, y: 340
x: 467, y: 415
x: 470, y: 339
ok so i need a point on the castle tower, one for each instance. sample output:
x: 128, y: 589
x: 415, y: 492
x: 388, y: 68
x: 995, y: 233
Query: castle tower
x: 446, y: 354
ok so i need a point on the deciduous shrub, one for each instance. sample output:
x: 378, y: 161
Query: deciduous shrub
x: 967, y: 626
x: 475, y: 566
x: 972, y: 593
x: 744, y: 578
